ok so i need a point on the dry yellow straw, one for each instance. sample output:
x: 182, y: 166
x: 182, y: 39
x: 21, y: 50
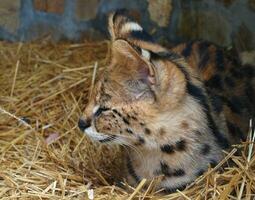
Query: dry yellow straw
x: 14, y: 78
x: 137, y: 189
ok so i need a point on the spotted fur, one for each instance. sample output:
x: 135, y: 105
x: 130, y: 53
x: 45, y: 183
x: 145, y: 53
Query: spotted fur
x: 175, y: 110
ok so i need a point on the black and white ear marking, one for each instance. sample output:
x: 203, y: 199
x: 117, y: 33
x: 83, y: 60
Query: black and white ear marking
x: 130, y: 26
x: 121, y: 26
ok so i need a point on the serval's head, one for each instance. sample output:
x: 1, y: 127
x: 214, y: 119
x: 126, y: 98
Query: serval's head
x: 141, y: 98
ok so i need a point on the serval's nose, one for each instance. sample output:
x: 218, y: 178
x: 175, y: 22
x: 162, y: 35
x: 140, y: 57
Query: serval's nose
x: 83, y: 124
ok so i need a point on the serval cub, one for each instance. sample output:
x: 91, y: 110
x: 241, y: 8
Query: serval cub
x: 175, y: 110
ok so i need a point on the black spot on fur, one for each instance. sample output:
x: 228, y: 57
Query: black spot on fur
x: 235, y: 131
x: 147, y: 131
x: 140, y: 141
x: 178, y: 172
x: 187, y: 50
x: 200, y: 172
x: 167, y: 148
x: 128, y: 130
x: 180, y: 145
x: 125, y: 121
x: 131, y: 170
x: 133, y: 117
x: 117, y: 112
x: 165, y: 169
x: 215, y: 82
x: 205, y: 150
x: 141, y: 123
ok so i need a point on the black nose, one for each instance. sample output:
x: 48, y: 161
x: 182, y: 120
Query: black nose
x: 83, y: 124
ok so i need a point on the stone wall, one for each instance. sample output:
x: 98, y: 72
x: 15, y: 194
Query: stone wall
x: 221, y: 21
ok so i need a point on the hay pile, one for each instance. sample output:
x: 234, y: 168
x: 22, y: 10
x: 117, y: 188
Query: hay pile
x: 43, y: 89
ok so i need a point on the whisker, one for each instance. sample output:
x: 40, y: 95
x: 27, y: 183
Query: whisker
x: 131, y: 146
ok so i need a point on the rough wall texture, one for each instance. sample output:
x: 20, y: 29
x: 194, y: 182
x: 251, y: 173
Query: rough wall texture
x: 221, y: 21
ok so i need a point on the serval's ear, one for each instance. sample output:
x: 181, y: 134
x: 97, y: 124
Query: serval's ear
x: 133, y: 64
x: 122, y: 27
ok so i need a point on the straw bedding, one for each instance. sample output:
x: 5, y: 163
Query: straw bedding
x: 43, y: 89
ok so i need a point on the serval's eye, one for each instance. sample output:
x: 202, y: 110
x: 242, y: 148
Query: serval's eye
x: 99, y: 110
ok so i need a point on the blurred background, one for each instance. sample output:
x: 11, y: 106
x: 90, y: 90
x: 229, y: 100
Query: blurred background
x: 224, y: 22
